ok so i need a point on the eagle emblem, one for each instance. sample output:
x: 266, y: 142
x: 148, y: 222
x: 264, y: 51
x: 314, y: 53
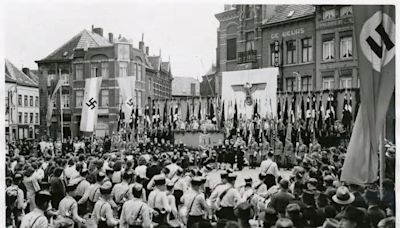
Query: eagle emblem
x: 249, y: 89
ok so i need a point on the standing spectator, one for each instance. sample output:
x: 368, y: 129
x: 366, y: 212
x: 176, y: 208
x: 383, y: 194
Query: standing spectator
x: 57, y: 188
x: 36, y: 218
x: 31, y: 185
x: 280, y: 200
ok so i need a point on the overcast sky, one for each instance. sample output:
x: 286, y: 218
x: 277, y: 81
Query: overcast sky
x: 185, y: 32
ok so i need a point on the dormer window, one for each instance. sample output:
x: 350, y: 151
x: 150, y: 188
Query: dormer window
x: 346, y: 11
x: 328, y: 14
x: 290, y: 14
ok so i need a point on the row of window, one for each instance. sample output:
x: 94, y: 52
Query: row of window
x: 101, y: 69
x: 331, y: 13
x: 26, y: 103
x: 104, y: 98
x: 64, y: 77
x: 327, y: 83
x: 328, y: 49
x: 28, y: 118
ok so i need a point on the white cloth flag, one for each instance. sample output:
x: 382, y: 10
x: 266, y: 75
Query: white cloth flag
x: 90, y: 104
x: 127, y: 86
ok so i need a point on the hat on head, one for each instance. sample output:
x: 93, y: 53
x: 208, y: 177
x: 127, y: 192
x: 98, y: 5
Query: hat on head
x: 197, y: 181
x: 224, y: 175
x: 84, y: 171
x: 330, y: 223
x: 106, y: 188
x: 127, y: 175
x: 17, y: 176
x: 248, y: 180
x: 43, y: 195
x: 232, y: 176
x: 159, y: 180
x: 328, y: 178
x: 343, y: 196
x: 284, y: 184
x: 354, y: 214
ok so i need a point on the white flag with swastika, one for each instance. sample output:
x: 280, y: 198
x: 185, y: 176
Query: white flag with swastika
x: 90, y: 104
x: 127, y: 87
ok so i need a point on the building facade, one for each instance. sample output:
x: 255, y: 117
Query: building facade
x: 90, y: 54
x: 185, y: 87
x: 313, y: 46
x: 22, y: 104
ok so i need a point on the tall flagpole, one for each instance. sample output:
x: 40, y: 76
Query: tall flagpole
x: 382, y: 160
x: 61, y: 107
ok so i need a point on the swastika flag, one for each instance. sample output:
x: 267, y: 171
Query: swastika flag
x: 90, y: 104
x: 375, y: 39
x: 127, y: 87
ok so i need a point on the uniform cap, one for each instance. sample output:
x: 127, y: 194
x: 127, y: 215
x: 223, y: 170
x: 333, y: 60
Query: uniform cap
x: 106, y: 188
x: 197, y: 181
x: 248, y: 180
x: 159, y: 180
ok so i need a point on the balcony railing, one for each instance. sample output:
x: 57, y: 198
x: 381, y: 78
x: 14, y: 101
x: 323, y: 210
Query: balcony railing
x: 247, y: 56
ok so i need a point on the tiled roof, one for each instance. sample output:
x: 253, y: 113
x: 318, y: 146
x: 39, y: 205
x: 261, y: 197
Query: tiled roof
x: 9, y: 79
x: 290, y: 12
x: 82, y: 39
x: 33, y: 74
x: 155, y: 62
x: 18, y: 76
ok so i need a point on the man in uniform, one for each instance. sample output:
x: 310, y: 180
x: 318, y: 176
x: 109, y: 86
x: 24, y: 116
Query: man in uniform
x: 103, y: 212
x: 228, y: 199
x: 68, y: 207
x: 278, y: 151
x: 92, y: 194
x: 36, y: 218
x: 158, y: 200
x: 195, y: 203
x: 120, y: 192
x: 82, y: 186
x: 288, y: 154
x: 135, y: 213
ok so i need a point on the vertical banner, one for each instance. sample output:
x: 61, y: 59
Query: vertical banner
x: 127, y: 87
x: 90, y: 104
x: 375, y: 34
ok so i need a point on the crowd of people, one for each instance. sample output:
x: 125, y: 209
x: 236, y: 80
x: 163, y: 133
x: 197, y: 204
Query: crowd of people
x: 107, y: 182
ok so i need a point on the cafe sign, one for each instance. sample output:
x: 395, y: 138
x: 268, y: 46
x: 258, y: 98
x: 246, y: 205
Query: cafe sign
x: 289, y: 33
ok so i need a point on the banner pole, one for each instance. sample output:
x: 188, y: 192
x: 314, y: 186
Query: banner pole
x: 61, y: 109
x: 382, y: 161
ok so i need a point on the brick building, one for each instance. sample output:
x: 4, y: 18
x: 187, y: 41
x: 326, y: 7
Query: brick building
x: 90, y: 54
x: 22, y: 104
x: 313, y: 46
x: 291, y: 32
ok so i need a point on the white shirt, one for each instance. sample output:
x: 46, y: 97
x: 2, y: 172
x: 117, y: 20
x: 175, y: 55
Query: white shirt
x: 34, y: 219
x: 269, y: 167
x: 172, y: 170
x: 141, y: 171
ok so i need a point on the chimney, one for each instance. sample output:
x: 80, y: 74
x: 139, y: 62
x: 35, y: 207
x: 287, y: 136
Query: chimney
x: 141, y: 43
x: 26, y: 71
x: 98, y: 31
x: 227, y: 7
x: 111, y: 37
x: 147, y: 50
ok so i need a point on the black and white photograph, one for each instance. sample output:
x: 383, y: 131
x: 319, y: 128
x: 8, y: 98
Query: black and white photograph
x: 198, y: 114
